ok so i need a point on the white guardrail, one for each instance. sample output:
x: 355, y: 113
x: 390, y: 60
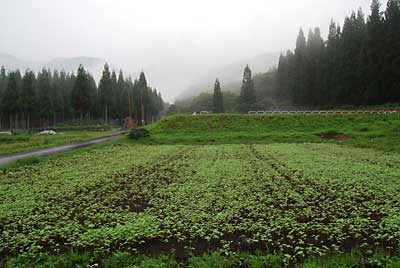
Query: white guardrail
x: 325, y: 112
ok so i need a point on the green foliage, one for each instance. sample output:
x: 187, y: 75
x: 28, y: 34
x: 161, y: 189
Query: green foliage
x: 11, y: 93
x: 139, y: 133
x: 354, y: 259
x: 44, y: 94
x: 27, y: 96
x: 247, y: 97
x: 81, y: 92
x: 72, y: 259
x: 20, y: 162
x: 218, y: 102
x: 125, y: 260
x: 383, y: 130
x: 212, y: 261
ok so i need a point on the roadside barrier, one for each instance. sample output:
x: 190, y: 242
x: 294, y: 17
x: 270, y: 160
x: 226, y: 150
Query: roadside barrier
x: 326, y: 112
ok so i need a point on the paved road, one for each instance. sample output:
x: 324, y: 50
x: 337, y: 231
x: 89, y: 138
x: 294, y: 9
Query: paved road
x: 57, y: 150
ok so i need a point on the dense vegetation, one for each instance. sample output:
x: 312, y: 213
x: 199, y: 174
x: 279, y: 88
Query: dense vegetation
x: 288, y: 200
x: 31, y: 100
x: 358, y: 65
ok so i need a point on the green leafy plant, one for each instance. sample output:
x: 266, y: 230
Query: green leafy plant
x: 139, y: 133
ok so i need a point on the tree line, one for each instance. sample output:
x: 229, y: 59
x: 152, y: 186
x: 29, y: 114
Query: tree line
x: 43, y: 99
x: 359, y: 64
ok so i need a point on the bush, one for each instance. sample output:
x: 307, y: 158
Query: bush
x: 139, y: 133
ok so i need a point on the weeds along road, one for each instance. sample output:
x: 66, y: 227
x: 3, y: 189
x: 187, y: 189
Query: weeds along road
x: 57, y: 150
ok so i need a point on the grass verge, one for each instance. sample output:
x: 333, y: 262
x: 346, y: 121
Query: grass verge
x: 380, y: 132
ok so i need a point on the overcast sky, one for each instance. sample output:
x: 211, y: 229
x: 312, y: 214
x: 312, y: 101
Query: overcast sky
x: 162, y: 34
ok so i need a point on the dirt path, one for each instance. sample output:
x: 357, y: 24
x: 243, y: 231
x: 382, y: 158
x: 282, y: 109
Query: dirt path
x: 57, y: 150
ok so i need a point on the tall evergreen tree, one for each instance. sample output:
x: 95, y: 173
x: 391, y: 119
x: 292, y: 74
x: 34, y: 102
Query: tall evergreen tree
x: 218, y: 102
x: 348, y: 85
x: 143, y: 98
x: 329, y: 68
x: 10, y: 99
x: 93, y: 96
x: 114, y: 89
x: 129, y: 87
x: 299, y: 88
x: 282, y: 79
x: 373, y: 56
x: 56, y: 96
x: 247, y: 97
x: 81, y: 92
x: 391, y: 71
x: 27, y: 96
x: 43, y: 93
x: 313, y: 81
x: 3, y: 84
x: 120, y: 96
x: 65, y: 93
x: 105, y: 92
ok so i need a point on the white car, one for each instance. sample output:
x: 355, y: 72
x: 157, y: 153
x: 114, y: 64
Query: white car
x: 47, y: 132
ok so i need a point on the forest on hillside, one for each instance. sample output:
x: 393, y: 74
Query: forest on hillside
x: 48, y: 97
x: 358, y: 65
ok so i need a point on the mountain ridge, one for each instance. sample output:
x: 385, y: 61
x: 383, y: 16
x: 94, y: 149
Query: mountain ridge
x: 93, y: 65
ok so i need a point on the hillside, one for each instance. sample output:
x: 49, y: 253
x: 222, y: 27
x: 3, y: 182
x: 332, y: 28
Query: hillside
x: 366, y: 131
x: 230, y: 75
x: 264, y: 83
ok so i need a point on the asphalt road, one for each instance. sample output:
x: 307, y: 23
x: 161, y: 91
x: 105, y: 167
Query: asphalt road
x: 56, y: 150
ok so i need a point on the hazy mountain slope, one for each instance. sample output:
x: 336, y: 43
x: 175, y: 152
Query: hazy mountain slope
x: 10, y: 62
x: 231, y: 74
x: 93, y: 65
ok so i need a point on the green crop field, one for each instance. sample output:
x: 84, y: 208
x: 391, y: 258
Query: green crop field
x: 232, y: 201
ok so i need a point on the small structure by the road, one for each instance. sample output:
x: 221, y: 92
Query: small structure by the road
x: 128, y: 123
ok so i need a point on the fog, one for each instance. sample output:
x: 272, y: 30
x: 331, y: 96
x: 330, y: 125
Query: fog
x: 175, y: 42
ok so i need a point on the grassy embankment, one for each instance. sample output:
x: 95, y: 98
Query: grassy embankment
x: 364, y: 131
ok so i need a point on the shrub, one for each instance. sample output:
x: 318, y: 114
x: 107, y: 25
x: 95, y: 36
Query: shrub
x: 139, y: 133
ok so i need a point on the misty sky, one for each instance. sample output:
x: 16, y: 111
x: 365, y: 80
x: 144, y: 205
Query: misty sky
x: 162, y: 35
